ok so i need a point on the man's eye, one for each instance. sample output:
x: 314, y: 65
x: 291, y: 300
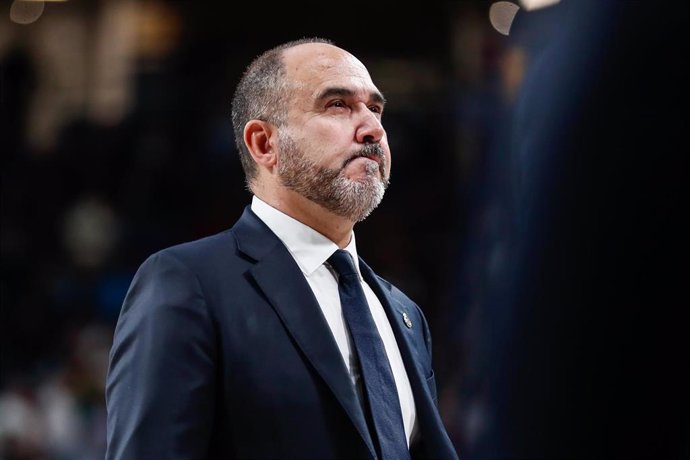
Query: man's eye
x: 337, y: 103
x: 375, y: 109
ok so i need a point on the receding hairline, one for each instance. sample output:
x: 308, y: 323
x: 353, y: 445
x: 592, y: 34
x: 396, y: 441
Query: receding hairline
x: 330, y: 50
x: 298, y: 45
x: 284, y: 51
x: 296, y: 58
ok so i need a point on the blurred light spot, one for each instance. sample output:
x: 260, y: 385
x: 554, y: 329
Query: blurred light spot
x: 501, y: 15
x: 26, y: 12
x: 530, y: 5
x: 90, y: 232
x: 512, y: 66
x: 159, y: 29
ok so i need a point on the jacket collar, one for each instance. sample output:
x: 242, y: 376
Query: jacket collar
x: 280, y: 279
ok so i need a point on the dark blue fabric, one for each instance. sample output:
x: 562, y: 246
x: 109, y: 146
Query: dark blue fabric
x: 382, y: 405
x: 221, y: 351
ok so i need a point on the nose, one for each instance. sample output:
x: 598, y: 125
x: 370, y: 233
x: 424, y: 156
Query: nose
x: 369, y: 129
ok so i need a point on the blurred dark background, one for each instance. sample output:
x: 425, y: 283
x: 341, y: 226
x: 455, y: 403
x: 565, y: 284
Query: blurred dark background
x: 536, y: 209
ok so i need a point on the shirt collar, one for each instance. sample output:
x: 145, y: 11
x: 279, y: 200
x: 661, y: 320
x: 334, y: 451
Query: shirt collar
x: 309, y: 248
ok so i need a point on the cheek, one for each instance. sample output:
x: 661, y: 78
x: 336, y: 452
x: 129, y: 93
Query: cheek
x: 330, y: 128
x: 389, y: 157
x: 329, y: 137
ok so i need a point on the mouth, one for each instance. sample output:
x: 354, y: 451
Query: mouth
x: 370, y: 163
x: 370, y: 158
x: 372, y: 152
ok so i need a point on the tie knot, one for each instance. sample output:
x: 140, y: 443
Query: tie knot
x: 342, y: 262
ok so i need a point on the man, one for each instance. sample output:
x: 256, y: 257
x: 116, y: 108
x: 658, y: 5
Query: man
x: 239, y: 345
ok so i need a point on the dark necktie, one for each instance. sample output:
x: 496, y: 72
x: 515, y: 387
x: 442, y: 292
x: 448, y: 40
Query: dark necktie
x: 381, y: 395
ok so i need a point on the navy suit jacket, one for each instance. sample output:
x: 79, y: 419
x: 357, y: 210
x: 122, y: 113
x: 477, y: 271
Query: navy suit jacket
x: 221, y: 351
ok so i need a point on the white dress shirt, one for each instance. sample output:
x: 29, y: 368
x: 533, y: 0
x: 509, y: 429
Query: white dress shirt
x: 310, y: 249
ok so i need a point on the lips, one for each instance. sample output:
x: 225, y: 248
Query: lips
x: 357, y: 157
x: 372, y: 152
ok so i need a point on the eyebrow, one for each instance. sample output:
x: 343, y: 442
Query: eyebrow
x: 327, y: 93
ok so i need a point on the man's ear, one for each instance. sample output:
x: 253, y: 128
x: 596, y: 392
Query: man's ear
x: 258, y: 137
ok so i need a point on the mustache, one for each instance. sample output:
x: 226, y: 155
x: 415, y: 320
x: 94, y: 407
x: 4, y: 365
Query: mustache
x: 374, y: 151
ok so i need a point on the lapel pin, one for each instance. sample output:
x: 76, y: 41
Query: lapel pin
x: 407, y: 321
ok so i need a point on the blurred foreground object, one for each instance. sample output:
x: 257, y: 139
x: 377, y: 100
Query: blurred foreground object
x: 593, y: 361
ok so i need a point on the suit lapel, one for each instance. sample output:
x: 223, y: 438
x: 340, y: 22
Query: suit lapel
x: 436, y: 442
x: 281, y: 281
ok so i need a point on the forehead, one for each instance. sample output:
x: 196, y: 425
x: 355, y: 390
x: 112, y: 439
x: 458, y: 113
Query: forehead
x: 313, y: 67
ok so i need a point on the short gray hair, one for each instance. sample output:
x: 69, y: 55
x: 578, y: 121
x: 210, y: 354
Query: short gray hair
x: 262, y: 94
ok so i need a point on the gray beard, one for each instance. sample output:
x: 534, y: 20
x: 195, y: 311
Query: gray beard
x: 330, y: 188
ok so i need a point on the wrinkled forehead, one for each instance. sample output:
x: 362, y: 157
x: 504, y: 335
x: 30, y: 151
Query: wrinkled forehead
x: 312, y: 67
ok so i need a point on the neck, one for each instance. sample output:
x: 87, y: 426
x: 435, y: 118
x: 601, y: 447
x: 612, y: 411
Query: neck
x: 334, y: 227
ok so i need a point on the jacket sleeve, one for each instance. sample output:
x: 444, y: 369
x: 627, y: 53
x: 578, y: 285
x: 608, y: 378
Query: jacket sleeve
x: 160, y: 385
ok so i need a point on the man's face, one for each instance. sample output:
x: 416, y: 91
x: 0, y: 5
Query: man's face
x: 333, y: 148
x: 353, y: 198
